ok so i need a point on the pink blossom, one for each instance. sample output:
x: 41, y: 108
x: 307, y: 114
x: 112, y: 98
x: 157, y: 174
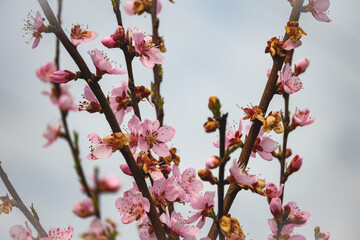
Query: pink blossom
x: 154, y: 137
x: 163, y: 192
x: 295, y: 164
x: 190, y: 185
x: 319, y: 8
x: 232, y: 136
x: 91, y: 105
x: 241, y: 176
x: 119, y: 100
x: 53, y: 132
x: 286, y: 229
x: 19, y: 232
x: 134, y: 207
x: 203, y: 203
x: 44, y: 72
x: 100, y: 228
x: 301, y: 117
x: 103, y: 64
x: 296, y: 217
x: 56, y: 234
x: 145, y: 48
x: 177, y: 226
x: 322, y: 236
x: 109, y: 183
x: 64, y: 101
x: 62, y: 76
x: 79, y: 35
x: 301, y: 66
x: 84, y: 209
x: 99, y: 151
x: 264, y: 145
x: 288, y: 82
x: 34, y: 25
x: 272, y: 191
x: 146, y: 232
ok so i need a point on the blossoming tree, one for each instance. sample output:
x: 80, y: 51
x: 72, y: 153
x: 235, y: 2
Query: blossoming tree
x: 161, y: 182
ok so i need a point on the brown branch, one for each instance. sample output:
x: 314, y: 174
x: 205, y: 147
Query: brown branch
x: 110, y: 117
x: 20, y: 204
x: 220, y: 185
x: 255, y: 127
x: 156, y: 97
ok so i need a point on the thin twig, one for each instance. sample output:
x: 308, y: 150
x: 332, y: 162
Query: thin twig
x: 20, y: 204
x: 128, y: 59
x: 67, y: 136
x: 283, y: 176
x: 110, y: 117
x: 222, y: 132
x: 255, y: 127
x: 156, y: 97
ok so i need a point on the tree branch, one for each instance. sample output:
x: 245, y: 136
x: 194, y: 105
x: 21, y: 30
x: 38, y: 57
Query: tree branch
x: 110, y: 117
x: 20, y: 204
x: 255, y: 127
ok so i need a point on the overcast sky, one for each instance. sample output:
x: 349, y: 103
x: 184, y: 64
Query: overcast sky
x: 214, y: 48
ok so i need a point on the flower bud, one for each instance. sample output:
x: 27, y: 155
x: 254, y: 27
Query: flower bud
x: 295, y: 165
x: 276, y: 207
x: 125, y: 168
x: 109, y: 42
x: 207, y: 176
x: 211, y: 126
x: 84, y: 209
x: 212, y: 162
x: 288, y: 152
x: 301, y: 66
x: 214, y: 106
x: 62, y: 76
x: 230, y: 227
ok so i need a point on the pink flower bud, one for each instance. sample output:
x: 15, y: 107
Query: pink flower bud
x: 62, y: 76
x: 212, y: 162
x: 301, y: 66
x: 84, y: 209
x: 276, y: 207
x: 125, y: 168
x: 295, y: 164
x: 109, y: 42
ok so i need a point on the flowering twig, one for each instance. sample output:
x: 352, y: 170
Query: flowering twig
x: 110, y: 117
x: 19, y: 203
x: 128, y: 59
x: 67, y: 136
x: 156, y: 97
x: 255, y: 127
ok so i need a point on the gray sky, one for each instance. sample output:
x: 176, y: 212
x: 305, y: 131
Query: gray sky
x: 214, y: 48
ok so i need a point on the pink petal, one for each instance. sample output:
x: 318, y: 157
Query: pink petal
x: 36, y: 42
x: 266, y: 156
x: 322, y: 17
x: 268, y: 144
x: 321, y: 5
x: 128, y: 7
x: 102, y: 151
x: 89, y: 95
x: 165, y: 134
x: 161, y: 150
x: 93, y: 137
